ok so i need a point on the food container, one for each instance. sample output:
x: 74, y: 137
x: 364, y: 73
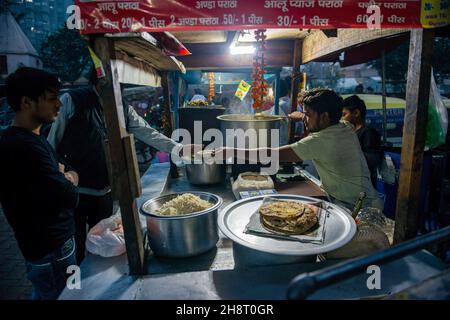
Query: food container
x: 204, y: 173
x: 183, y: 235
x: 261, y: 124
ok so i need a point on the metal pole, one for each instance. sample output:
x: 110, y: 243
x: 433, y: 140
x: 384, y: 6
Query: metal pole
x: 383, y: 92
x: 176, y: 100
x: 277, y: 94
x: 305, y: 284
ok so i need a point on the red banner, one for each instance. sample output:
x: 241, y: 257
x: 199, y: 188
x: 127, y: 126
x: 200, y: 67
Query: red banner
x: 182, y: 15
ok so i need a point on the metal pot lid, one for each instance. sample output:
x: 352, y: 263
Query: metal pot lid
x: 339, y: 228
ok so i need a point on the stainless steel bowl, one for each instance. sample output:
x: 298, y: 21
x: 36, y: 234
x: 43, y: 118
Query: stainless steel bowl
x: 204, y: 173
x: 185, y: 235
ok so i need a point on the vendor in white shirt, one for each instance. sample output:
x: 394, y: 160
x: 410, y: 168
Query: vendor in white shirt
x: 78, y: 135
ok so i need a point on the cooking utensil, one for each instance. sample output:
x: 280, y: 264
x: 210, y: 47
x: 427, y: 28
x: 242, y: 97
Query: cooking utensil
x: 260, y: 115
x: 339, y: 230
x: 248, y: 121
x: 205, y: 174
x: 183, y: 235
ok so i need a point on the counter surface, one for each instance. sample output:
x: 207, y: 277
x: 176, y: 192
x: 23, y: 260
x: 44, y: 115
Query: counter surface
x: 214, y: 275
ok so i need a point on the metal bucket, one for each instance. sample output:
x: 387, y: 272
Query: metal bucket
x: 184, y: 235
x: 204, y: 173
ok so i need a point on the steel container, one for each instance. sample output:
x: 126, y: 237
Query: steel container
x: 257, y: 130
x: 204, y: 173
x: 184, y: 235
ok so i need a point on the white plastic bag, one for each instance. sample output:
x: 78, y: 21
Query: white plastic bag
x: 106, y: 238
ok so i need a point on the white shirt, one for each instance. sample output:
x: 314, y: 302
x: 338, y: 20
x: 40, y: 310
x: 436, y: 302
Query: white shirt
x: 136, y: 125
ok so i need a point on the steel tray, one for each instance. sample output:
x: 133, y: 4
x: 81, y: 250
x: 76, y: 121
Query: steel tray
x: 339, y: 228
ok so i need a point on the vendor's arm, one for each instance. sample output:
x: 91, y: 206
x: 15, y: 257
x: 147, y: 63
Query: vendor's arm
x: 285, y: 153
x: 59, y: 126
x: 143, y: 132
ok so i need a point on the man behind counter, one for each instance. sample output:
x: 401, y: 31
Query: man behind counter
x: 332, y: 146
x: 354, y: 111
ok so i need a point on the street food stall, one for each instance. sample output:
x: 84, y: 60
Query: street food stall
x: 217, y: 252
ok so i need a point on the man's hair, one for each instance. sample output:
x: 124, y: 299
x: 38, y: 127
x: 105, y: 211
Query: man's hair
x: 29, y: 82
x: 197, y: 91
x: 353, y: 103
x: 323, y: 100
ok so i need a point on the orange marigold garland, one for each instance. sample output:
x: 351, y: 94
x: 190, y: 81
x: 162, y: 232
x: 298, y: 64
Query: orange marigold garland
x: 211, y: 87
x: 259, y: 85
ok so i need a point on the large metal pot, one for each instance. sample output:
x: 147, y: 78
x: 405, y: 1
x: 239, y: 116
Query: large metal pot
x: 261, y: 124
x: 204, y: 173
x: 185, y: 235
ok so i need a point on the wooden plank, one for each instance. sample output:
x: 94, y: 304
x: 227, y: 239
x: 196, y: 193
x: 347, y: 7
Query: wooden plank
x: 318, y: 45
x: 414, y: 129
x: 296, y: 75
x: 226, y: 61
x: 143, y: 47
x: 111, y: 99
x: 132, y: 165
x: 217, y: 56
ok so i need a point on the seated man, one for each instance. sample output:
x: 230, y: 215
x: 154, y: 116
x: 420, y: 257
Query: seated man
x: 37, y: 192
x: 354, y: 111
x: 332, y: 146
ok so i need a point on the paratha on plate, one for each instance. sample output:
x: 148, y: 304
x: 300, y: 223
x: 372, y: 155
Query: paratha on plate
x: 288, y: 217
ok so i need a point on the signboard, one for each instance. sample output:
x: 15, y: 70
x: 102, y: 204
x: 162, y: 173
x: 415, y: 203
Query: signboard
x: 242, y: 90
x: 181, y: 15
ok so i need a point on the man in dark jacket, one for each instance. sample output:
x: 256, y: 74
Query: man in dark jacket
x: 38, y: 193
x: 354, y: 111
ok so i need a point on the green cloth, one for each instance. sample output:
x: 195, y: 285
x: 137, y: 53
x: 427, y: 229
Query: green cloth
x: 337, y: 156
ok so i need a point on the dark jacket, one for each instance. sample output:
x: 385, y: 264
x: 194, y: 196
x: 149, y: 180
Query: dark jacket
x: 82, y: 144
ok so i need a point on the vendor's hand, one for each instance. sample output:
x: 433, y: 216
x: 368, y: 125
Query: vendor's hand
x: 297, y: 116
x: 190, y: 150
x: 61, y: 167
x: 72, y: 176
x: 222, y: 154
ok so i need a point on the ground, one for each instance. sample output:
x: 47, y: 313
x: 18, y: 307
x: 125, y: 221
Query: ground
x: 14, y: 284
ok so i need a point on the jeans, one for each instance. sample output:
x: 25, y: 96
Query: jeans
x: 49, y: 274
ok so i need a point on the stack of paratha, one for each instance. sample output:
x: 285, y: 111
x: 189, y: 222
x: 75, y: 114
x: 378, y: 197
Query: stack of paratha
x: 288, y: 217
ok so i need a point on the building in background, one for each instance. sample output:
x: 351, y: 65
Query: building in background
x: 40, y: 18
x: 15, y: 48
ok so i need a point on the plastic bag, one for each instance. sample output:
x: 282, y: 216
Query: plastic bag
x: 437, y: 123
x: 106, y: 238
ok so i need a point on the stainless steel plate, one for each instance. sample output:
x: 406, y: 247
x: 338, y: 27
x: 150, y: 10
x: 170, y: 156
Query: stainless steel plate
x: 339, y: 228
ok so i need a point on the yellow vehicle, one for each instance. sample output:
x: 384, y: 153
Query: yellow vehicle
x: 395, y: 113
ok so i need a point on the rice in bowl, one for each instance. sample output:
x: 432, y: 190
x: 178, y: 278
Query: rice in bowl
x: 183, y: 204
